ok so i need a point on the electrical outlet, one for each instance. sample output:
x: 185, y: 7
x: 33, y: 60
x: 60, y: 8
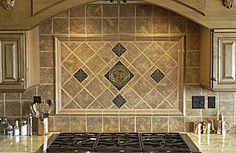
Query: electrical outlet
x: 211, y: 102
x: 37, y: 99
x: 198, y: 102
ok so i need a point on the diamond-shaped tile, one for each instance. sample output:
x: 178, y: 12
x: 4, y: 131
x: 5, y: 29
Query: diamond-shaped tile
x: 119, y: 49
x: 119, y: 101
x: 157, y: 75
x: 80, y: 75
x: 119, y: 75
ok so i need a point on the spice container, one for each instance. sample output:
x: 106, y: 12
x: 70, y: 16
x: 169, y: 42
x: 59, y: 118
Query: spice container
x: 24, y: 128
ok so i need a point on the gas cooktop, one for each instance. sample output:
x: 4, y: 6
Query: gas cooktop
x: 122, y: 142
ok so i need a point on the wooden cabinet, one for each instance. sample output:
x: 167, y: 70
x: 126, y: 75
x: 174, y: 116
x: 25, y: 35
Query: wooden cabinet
x: 218, y: 59
x: 19, y: 60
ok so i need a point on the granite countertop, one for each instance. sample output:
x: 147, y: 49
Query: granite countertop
x: 214, y: 143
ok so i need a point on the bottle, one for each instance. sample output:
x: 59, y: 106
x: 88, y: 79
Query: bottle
x: 10, y: 130
x: 30, y: 125
x: 24, y: 128
x: 4, y: 125
x: 16, y: 129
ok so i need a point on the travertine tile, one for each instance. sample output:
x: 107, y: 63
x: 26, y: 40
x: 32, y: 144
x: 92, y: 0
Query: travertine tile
x: 46, y: 27
x: 142, y: 64
x: 110, y: 26
x: 193, y: 59
x: 154, y: 52
x: 106, y: 52
x: 176, y: 124
x: 78, y: 11
x: 192, y: 75
x: 45, y: 43
x: 95, y: 87
x: 46, y: 92
x: 2, y: 108
x: 127, y: 124
x: 143, y: 124
x: 12, y: 96
x: 106, y: 99
x: 177, y: 25
x: 95, y: 64
x: 12, y: 108
x: 160, y: 25
x: 78, y: 124
x: 84, y: 52
x: 93, y: 26
x: 46, y: 59
x: 62, y: 124
x: 127, y: 10
x: 46, y: 75
x: 192, y: 91
x: 110, y: 124
x: 65, y: 75
x: 93, y: 10
x: 143, y: 10
x: 60, y: 26
x: 72, y: 87
x: 166, y: 64
x: 143, y: 25
x: 110, y: 10
x: 165, y: 87
x: 65, y: 98
x: 192, y: 27
x: 94, y: 124
x: 126, y: 26
x: 77, y: 26
x: 131, y: 53
x: 160, y: 124
x: 84, y: 98
x: 28, y: 94
x: 192, y: 42
x: 142, y: 87
x: 227, y: 108
x: 153, y: 99
x: 62, y: 14
x: 72, y: 64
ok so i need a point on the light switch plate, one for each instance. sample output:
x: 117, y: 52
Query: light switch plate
x: 211, y: 102
x: 198, y: 102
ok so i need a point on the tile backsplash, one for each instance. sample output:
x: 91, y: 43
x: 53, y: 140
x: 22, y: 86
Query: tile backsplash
x: 98, y: 28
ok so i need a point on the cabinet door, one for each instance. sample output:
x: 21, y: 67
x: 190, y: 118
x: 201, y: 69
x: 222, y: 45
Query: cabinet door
x: 12, y: 62
x: 224, y: 70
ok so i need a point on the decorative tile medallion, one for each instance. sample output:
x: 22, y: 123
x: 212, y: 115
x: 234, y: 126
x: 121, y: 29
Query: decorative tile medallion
x: 119, y: 101
x: 119, y: 49
x: 119, y: 75
x: 80, y: 75
x: 157, y: 75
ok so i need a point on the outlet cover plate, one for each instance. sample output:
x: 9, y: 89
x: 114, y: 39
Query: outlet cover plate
x: 211, y: 102
x: 198, y: 102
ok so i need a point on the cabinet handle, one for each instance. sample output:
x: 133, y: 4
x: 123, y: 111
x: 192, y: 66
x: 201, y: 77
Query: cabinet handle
x: 213, y: 79
x: 21, y: 80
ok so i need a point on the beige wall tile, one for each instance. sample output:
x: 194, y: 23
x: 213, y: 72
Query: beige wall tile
x: 77, y: 26
x: 2, y: 108
x: 110, y: 26
x: 127, y: 10
x: 78, y: 124
x: 110, y: 124
x: 160, y: 25
x: 46, y: 27
x: 177, y: 25
x: 144, y: 25
x: 25, y: 108
x: 12, y: 108
x: 78, y: 11
x: 143, y: 10
x: 110, y: 10
x: 12, y: 96
x: 62, y: 124
x: 160, y: 124
x: 60, y: 26
x: 93, y: 10
x: 45, y: 43
x: 176, y: 124
x: 94, y: 26
x: 46, y: 92
x: 46, y: 75
x: 94, y: 124
x: 127, y: 124
x: 46, y: 59
x: 28, y: 94
x: 143, y: 124
x: 193, y: 59
x: 127, y: 26
x: 192, y: 75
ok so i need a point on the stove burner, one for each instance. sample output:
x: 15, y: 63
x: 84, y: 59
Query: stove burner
x: 119, y: 142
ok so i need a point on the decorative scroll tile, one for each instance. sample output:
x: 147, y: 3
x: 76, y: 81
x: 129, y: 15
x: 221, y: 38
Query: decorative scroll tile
x: 119, y: 101
x: 157, y: 75
x: 119, y: 49
x: 119, y: 75
x: 80, y: 75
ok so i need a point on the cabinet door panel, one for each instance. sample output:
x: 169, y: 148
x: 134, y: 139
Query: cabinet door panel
x: 227, y: 55
x: 10, y: 61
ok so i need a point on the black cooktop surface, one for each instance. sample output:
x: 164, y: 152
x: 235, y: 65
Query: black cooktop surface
x: 122, y: 142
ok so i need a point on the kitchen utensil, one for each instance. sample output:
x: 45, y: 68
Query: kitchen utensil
x: 51, y: 105
x: 36, y: 110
